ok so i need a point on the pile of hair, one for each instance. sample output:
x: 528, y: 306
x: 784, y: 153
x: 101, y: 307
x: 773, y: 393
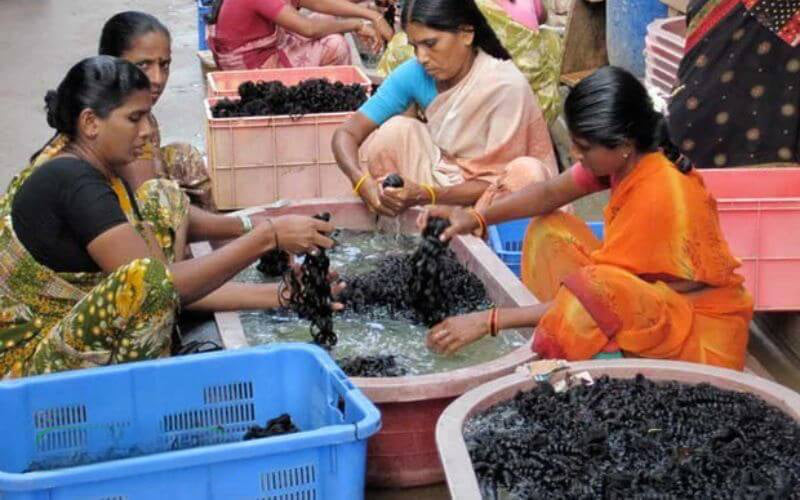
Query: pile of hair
x: 308, y: 97
x: 425, y: 286
x: 372, y: 366
x: 278, y: 426
x: 635, y: 438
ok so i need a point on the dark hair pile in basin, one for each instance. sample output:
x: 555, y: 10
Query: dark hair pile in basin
x: 636, y: 438
x: 426, y: 286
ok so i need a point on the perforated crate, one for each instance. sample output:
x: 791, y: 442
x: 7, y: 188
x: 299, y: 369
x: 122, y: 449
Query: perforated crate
x: 506, y: 240
x: 180, y: 422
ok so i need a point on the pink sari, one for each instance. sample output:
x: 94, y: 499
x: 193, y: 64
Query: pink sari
x: 281, y: 49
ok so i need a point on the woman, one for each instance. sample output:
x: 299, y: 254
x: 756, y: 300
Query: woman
x: 478, y: 114
x: 93, y: 275
x: 143, y: 40
x: 663, y: 282
x: 738, y: 99
x: 536, y: 52
x: 252, y: 34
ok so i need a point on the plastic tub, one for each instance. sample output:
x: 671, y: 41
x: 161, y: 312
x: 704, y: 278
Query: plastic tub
x: 259, y: 160
x: 226, y: 83
x: 187, y: 404
x: 403, y: 453
x: 759, y: 210
x: 461, y: 479
x: 204, y: 8
x: 506, y: 240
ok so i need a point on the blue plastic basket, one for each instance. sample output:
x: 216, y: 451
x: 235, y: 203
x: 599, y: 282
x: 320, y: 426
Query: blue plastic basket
x: 203, y: 9
x: 506, y: 240
x: 185, y: 418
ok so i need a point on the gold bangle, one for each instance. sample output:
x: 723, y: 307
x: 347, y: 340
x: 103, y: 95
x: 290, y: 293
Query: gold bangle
x: 360, y: 182
x: 431, y: 192
x: 481, y: 221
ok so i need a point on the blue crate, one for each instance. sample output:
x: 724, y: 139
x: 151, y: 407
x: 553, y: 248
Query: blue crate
x: 506, y: 240
x: 203, y: 9
x: 199, y: 406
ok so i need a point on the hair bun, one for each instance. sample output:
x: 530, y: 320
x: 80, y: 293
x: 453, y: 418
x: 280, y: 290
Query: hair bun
x: 51, y: 107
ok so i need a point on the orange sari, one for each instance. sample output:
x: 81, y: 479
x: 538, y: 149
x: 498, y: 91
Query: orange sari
x: 661, y: 226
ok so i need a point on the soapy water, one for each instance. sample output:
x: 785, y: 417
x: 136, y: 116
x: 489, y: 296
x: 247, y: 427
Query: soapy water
x: 377, y: 333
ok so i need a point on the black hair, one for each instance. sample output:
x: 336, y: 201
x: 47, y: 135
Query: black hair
x: 99, y: 83
x: 452, y: 15
x: 611, y: 106
x: 122, y: 29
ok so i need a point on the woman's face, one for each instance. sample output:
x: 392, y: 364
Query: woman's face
x: 151, y: 52
x: 122, y: 134
x: 443, y: 54
x: 602, y: 161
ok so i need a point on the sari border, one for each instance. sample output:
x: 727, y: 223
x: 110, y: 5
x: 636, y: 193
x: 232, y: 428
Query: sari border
x: 710, y: 21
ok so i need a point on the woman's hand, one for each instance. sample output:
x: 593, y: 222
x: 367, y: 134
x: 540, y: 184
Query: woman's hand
x: 301, y: 234
x: 370, y: 36
x: 370, y: 192
x: 461, y: 220
x: 458, y: 331
x: 382, y: 27
x: 398, y: 200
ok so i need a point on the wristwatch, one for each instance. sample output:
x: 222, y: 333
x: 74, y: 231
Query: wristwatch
x: 247, y: 223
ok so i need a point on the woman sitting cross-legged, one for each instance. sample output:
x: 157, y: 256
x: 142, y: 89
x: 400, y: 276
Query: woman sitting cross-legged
x: 92, y: 274
x: 662, y: 284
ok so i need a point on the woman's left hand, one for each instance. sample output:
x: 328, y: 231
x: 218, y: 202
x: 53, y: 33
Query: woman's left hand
x: 458, y: 331
x: 398, y: 200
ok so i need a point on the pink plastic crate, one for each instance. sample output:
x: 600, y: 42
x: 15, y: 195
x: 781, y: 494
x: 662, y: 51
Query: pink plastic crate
x: 661, y: 51
x: 663, y: 72
x: 759, y: 211
x: 669, y: 32
x: 259, y: 160
x: 226, y: 83
x: 653, y: 81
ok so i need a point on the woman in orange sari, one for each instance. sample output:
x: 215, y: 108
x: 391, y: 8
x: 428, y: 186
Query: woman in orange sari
x: 663, y: 283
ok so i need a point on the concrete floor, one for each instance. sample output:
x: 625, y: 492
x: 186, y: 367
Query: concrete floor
x: 41, y: 39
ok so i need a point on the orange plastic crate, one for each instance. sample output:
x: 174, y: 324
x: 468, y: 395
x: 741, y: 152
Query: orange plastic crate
x: 259, y: 160
x: 759, y: 211
x: 226, y: 83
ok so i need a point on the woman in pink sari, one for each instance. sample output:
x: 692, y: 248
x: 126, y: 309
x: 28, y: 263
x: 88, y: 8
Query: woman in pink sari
x: 252, y: 34
x: 458, y: 122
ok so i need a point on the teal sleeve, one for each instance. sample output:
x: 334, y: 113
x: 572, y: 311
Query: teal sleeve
x: 407, y: 84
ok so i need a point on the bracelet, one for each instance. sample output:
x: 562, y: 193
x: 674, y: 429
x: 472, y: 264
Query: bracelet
x: 272, y: 226
x: 360, y: 183
x: 481, y: 221
x: 247, y: 223
x: 496, y: 323
x: 492, y: 322
x: 432, y: 192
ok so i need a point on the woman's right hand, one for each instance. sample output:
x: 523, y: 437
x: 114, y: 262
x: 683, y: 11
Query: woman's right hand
x: 461, y: 220
x: 298, y: 234
x: 370, y: 192
x: 383, y: 28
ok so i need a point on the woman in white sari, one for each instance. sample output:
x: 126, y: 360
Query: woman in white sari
x: 458, y: 122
